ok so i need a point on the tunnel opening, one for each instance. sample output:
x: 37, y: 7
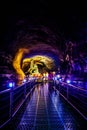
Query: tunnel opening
x: 37, y: 51
x: 34, y: 64
x: 38, y: 64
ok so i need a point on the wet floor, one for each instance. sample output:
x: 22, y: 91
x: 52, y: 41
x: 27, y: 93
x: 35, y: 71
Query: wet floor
x: 46, y: 110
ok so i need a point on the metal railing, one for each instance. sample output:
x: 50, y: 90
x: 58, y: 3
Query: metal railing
x: 75, y: 96
x: 12, y: 99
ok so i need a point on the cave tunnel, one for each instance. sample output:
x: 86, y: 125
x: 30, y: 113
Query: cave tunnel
x: 36, y: 61
x: 38, y: 50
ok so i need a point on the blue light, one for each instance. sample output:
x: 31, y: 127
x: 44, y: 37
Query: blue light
x: 55, y: 78
x: 58, y: 76
x: 60, y: 80
x: 13, y: 84
x: 10, y: 85
x: 68, y: 81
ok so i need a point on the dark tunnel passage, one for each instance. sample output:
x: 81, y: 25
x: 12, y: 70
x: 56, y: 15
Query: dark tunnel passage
x: 43, y: 65
x: 48, y: 51
x: 37, y: 50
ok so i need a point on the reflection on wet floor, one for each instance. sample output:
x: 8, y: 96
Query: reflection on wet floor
x: 46, y: 110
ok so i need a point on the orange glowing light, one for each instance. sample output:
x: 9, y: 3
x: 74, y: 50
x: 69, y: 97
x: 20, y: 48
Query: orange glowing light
x: 17, y: 62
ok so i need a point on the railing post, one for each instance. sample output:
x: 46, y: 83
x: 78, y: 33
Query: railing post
x: 25, y: 90
x: 30, y: 84
x: 11, y: 102
x: 67, y: 92
x: 54, y: 82
x: 59, y: 87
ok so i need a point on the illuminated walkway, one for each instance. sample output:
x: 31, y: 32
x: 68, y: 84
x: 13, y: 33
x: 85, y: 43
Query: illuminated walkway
x: 46, y: 110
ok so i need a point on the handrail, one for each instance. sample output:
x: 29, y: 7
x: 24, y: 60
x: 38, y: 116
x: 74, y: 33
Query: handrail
x: 7, y: 90
x: 74, y: 96
x: 74, y: 86
x: 21, y: 85
x: 4, y: 91
x: 15, y: 99
x: 22, y: 102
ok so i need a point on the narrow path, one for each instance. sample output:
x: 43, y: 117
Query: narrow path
x: 47, y: 111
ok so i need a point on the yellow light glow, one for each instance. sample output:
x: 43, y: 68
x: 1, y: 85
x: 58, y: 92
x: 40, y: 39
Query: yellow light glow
x: 47, y: 74
x: 36, y: 60
x: 33, y: 62
x: 49, y: 62
x: 17, y: 63
x: 44, y: 74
